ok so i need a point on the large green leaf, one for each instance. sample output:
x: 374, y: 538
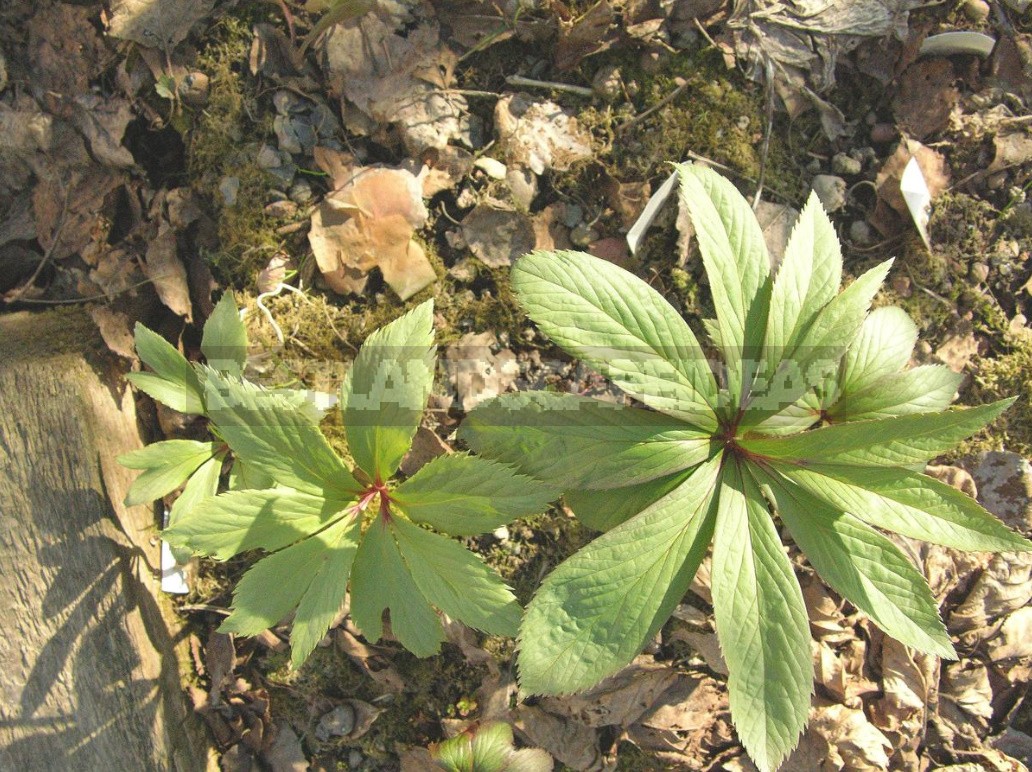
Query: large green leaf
x: 238, y: 521
x: 620, y: 325
x: 275, y: 438
x: 380, y: 580
x: 863, y: 566
x: 466, y: 495
x: 901, y: 441
x: 797, y: 417
x: 166, y: 466
x: 908, y: 503
x: 579, y: 442
x: 456, y: 581
x: 385, y: 392
x: 224, y: 341
x: 737, y: 266
x: 202, y: 484
x: 598, y: 608
x: 807, y: 280
x: 884, y: 345
x: 925, y: 389
x: 761, y: 624
x: 173, y: 381
x: 602, y: 510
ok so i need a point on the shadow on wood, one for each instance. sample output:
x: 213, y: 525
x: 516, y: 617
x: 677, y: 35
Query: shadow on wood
x: 90, y: 669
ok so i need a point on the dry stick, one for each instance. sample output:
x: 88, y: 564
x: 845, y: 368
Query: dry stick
x: 519, y: 80
x: 55, y: 240
x: 768, y: 129
x: 88, y: 298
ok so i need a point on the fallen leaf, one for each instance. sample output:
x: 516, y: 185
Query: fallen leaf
x: 165, y: 270
x: 960, y: 348
x: 891, y: 209
x: 926, y: 97
x: 1004, y: 482
x: 476, y: 373
x: 966, y: 683
x: 286, y: 753
x: 497, y: 236
x: 371, y: 659
x: 426, y: 446
x: 854, y: 742
x: 587, y: 35
x: 160, y: 25
x: 539, y: 135
x: 570, y: 742
x: 1014, y: 639
x: 116, y: 330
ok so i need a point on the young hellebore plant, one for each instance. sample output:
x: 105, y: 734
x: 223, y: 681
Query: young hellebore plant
x: 325, y: 525
x: 815, y: 420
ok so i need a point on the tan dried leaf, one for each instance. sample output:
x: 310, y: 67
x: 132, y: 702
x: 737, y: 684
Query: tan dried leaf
x: 164, y: 268
x: 572, y: 743
x: 156, y: 25
x: 539, y: 135
x: 476, y: 373
x: 854, y: 742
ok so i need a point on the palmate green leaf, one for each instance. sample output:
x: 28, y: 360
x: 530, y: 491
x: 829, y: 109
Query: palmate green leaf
x: 581, y: 442
x: 862, y: 566
x: 797, y: 417
x: 489, y: 749
x: 900, y: 441
x: 734, y: 254
x: 224, y: 340
x: 466, y: 495
x: 925, y: 389
x: 618, y: 324
x: 807, y: 280
x: 237, y: 521
x: 275, y: 438
x: 761, y: 623
x: 173, y: 382
x: 380, y: 580
x: 244, y: 477
x: 598, y: 608
x: 883, y: 347
x: 202, y: 484
x: 602, y: 510
x: 907, y: 503
x: 385, y: 392
x: 167, y: 465
x: 310, y: 576
x: 456, y: 581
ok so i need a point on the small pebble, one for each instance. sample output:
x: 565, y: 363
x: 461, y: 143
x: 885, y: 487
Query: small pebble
x: 229, y: 187
x: 281, y: 209
x: 583, y: 235
x: 831, y: 191
x: 979, y: 271
x: 523, y: 187
x: 337, y: 723
x: 269, y: 157
x: 883, y: 132
x: 301, y: 192
x: 502, y: 534
x: 861, y: 234
x: 977, y: 11
x: 492, y: 167
x: 355, y: 759
x: 813, y: 166
x: 572, y: 215
x: 844, y: 164
x: 193, y: 90
x: 608, y: 83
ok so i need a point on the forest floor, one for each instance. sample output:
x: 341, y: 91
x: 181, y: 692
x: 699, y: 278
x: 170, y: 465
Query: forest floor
x: 156, y: 155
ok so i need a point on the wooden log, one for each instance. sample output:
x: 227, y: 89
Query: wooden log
x: 90, y: 672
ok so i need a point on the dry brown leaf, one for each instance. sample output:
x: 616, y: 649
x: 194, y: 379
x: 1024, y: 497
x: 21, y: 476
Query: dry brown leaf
x: 926, y: 97
x: 966, y: 683
x: 156, y: 25
x: 1005, y: 487
x: 1003, y: 587
x: 891, y: 211
x: 688, y: 722
x: 854, y: 742
x: 476, y: 373
x: 587, y: 35
x: 286, y: 753
x: 497, y: 235
x: 102, y: 121
x: 165, y: 270
x: 426, y: 446
x: 960, y: 348
x: 569, y: 741
x: 539, y: 135
x: 371, y: 659
x: 1014, y: 639
x: 116, y: 330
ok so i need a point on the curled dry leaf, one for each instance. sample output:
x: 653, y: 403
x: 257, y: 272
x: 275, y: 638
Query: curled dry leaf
x: 477, y: 374
x: 539, y: 135
x: 892, y: 210
x: 369, y: 222
x: 164, y: 268
x: 572, y: 743
x: 853, y: 741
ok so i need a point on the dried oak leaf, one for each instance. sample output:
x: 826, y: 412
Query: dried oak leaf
x: 926, y: 97
x: 497, y: 235
x: 539, y: 135
x: 476, y: 373
x: 370, y: 222
x: 156, y: 24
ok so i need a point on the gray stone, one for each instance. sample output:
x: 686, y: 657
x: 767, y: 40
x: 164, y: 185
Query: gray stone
x: 860, y: 233
x: 844, y: 164
x: 337, y: 723
x: 582, y: 235
x: 831, y: 191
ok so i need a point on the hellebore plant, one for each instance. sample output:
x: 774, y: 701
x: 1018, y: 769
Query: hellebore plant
x: 327, y: 526
x: 813, y: 420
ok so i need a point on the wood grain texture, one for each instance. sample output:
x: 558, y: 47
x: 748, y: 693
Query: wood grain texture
x: 90, y: 676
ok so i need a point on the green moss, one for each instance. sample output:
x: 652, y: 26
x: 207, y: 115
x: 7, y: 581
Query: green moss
x: 1008, y: 374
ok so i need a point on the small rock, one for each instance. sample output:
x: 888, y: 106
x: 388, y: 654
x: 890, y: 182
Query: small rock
x: 860, y: 233
x: 286, y: 134
x: 844, y: 164
x: 883, y: 132
x: 977, y: 11
x: 281, y: 209
x: 466, y: 199
x: 813, y: 166
x: 492, y: 167
x: 284, y: 174
x: 287, y: 102
x: 193, y: 90
x: 355, y: 759
x: 979, y: 271
x: 901, y: 285
x: 831, y: 191
x: 608, y: 83
x: 269, y: 157
x: 502, y: 533
x: 337, y: 723
x: 464, y: 270
x: 572, y: 215
x: 523, y: 187
x: 229, y: 187
x: 582, y: 235
x: 301, y: 192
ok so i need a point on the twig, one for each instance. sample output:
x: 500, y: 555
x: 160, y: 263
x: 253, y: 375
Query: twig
x: 659, y: 105
x: 767, y: 130
x: 54, y: 241
x: 188, y: 607
x: 704, y: 33
x: 519, y: 80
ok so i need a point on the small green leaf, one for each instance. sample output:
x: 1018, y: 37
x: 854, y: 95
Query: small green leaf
x: 167, y: 465
x: 737, y: 265
x: 883, y: 346
x: 908, y: 503
x: 165, y: 87
x: 602, y: 510
x: 456, y: 581
x: 901, y: 441
x: 489, y: 749
x: 244, y: 477
x: 862, y: 566
x: 202, y: 484
x: 620, y: 325
x: 761, y: 622
x: 244, y: 520
x: 582, y: 443
x: 276, y: 439
x: 380, y: 581
x: 385, y: 392
x: 797, y: 417
x: 598, y: 608
x: 176, y: 383
x: 925, y: 389
x: 224, y: 342
x: 466, y: 495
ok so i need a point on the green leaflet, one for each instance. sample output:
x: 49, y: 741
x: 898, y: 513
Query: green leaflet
x: 925, y: 389
x: 489, y: 749
x: 202, y: 484
x: 580, y: 442
x: 237, y: 521
x: 623, y: 327
x: 276, y: 439
x: 456, y: 581
x: 735, y: 256
x: 173, y: 381
x: 244, y: 477
x: 862, y: 566
x: 883, y: 347
x: 807, y: 280
x: 465, y: 495
x: 224, y: 341
x: 761, y: 623
x: 385, y: 391
x: 908, y: 503
x: 167, y: 465
x: 900, y: 441
x: 602, y: 510
x: 380, y: 580
x: 598, y: 608
x: 797, y: 417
